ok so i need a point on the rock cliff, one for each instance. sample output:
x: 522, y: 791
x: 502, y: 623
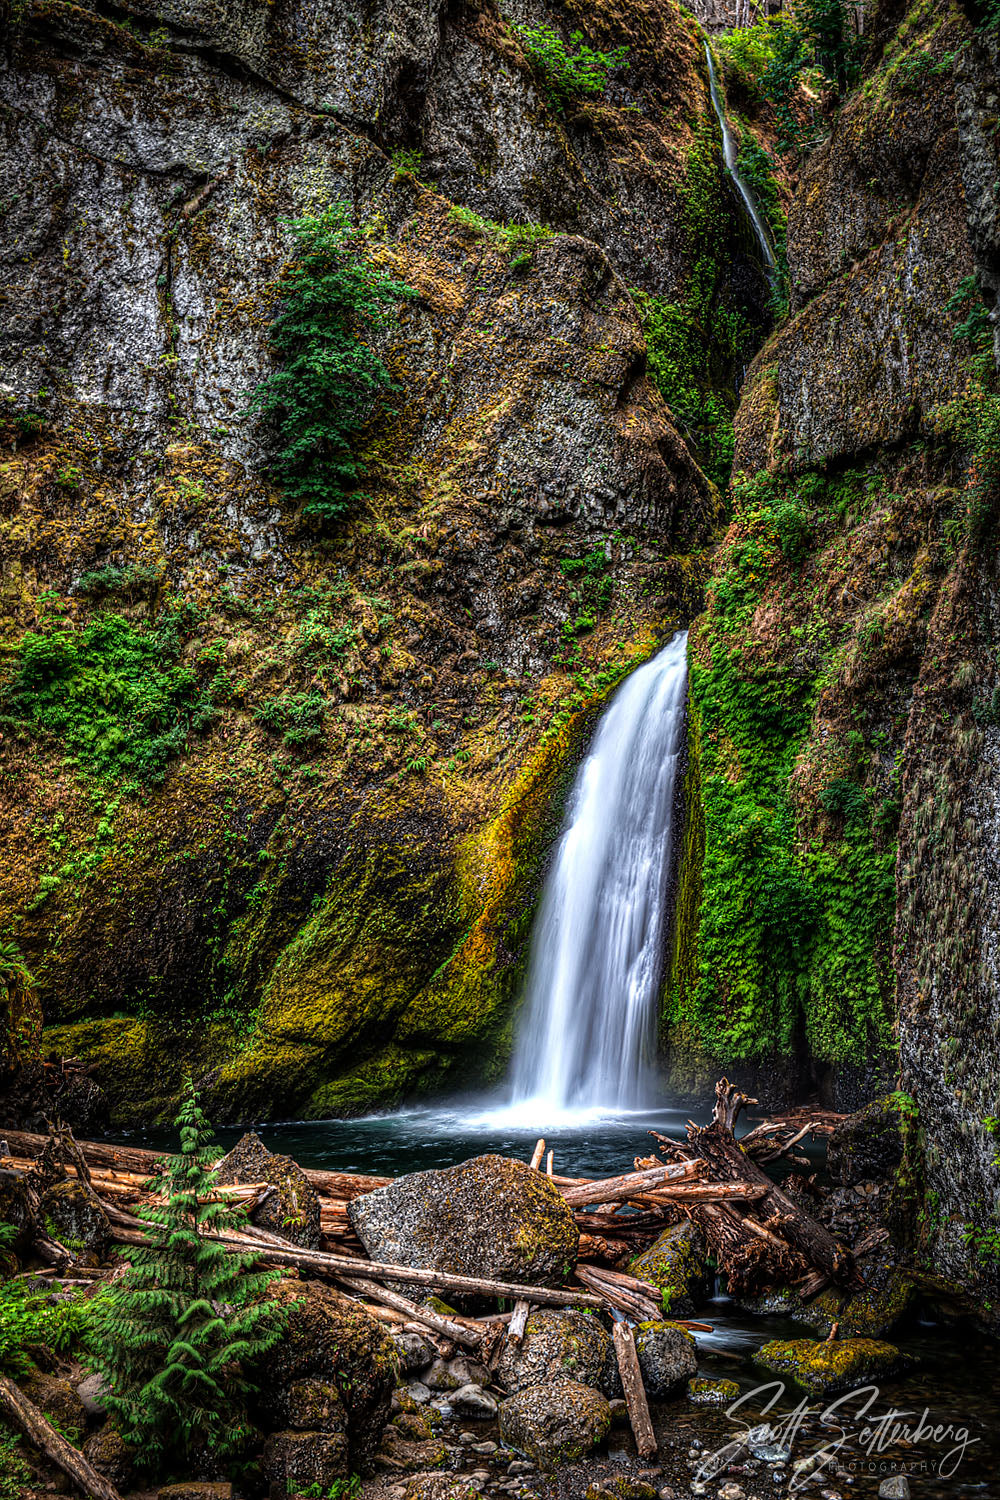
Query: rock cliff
x: 276, y: 797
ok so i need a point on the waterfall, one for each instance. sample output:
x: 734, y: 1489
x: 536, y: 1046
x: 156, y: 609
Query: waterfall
x: 588, y: 1028
x: 729, y: 157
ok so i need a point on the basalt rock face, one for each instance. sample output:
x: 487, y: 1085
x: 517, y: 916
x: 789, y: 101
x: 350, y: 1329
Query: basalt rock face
x: 285, y: 820
x: 844, y: 751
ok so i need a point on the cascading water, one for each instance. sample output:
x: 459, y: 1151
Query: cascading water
x: 729, y: 156
x: 588, y: 1026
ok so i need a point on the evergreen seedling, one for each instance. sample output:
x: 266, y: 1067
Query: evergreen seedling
x: 176, y: 1339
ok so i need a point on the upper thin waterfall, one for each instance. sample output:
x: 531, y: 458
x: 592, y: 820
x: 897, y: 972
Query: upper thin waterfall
x: 729, y: 156
x: 588, y: 1027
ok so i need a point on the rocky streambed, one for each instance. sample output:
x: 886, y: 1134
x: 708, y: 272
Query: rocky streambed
x: 383, y: 1389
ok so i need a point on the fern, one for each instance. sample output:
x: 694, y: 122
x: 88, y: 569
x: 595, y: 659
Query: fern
x: 177, y: 1337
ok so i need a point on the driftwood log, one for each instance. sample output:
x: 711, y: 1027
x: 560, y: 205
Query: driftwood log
x: 635, y: 1391
x: 777, y: 1242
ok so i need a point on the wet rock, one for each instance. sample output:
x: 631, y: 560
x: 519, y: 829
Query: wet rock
x: 329, y: 1338
x: 294, y: 1461
x: 712, y: 1392
x: 827, y: 1367
x: 621, y: 1487
x: 57, y: 1399
x: 469, y: 1371
x: 293, y: 1208
x: 415, y: 1352
x: 473, y: 1401
x: 667, y: 1357
x: 491, y: 1216
x: 675, y: 1263
x: 557, y: 1345
x: 111, y: 1456
x: 619, y: 1411
x: 76, y: 1219
x: 555, y: 1423
x: 896, y: 1487
x: 15, y: 1207
x: 763, y: 1443
x: 413, y: 1424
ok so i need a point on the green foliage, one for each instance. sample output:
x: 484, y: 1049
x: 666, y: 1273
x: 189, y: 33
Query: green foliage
x: 116, y: 695
x: 13, y: 971
x: 133, y: 581
x: 297, y: 717
x: 31, y: 1321
x: 567, y: 74
x: 178, y: 1336
x: 517, y: 240
x: 15, y: 1476
x: 756, y: 166
x: 328, y: 380
x: 698, y: 347
x: 406, y: 163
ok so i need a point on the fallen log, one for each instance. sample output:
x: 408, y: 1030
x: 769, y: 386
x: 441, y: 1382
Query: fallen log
x: 39, y: 1431
x: 616, y: 1189
x: 282, y: 1252
x: 519, y: 1320
x: 635, y: 1391
x: 458, y: 1332
x: 634, y: 1304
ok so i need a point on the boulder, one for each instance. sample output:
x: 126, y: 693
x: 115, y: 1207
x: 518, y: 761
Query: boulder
x: 332, y: 1340
x: 887, y: 1297
x: 57, y: 1399
x: 111, y: 1456
x: 668, y: 1357
x: 83, y: 1104
x: 296, y: 1461
x: 473, y: 1401
x: 555, y: 1423
x: 76, y: 1219
x: 402, y: 1452
x: 675, y: 1262
x: 315, y: 1406
x: 557, y: 1345
x: 491, y: 1216
x: 293, y: 1209
x: 415, y: 1352
x: 842, y: 1365
x: 866, y: 1146
x: 91, y: 1390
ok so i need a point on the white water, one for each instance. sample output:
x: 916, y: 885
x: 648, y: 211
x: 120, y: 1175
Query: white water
x: 588, y: 1028
x: 729, y: 156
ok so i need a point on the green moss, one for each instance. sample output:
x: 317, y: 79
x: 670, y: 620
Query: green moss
x: 839, y: 1365
x: 675, y: 1263
x: 712, y: 1392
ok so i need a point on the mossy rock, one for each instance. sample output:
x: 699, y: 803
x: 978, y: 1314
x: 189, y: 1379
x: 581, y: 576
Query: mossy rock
x: 557, y: 1345
x: 76, y: 1219
x: 621, y: 1487
x: 675, y: 1263
x: 712, y: 1392
x: 887, y: 1297
x: 405, y: 1452
x: 296, y: 1461
x: 292, y: 1209
x: 668, y: 1357
x: 555, y: 1423
x: 490, y: 1216
x: 839, y: 1365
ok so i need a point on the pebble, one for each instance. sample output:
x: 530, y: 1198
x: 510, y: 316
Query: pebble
x: 896, y: 1488
x: 467, y: 1438
x: 520, y: 1466
x: 731, y: 1492
x: 484, y: 1447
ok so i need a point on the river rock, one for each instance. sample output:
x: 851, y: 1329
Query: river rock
x: 668, y: 1357
x: 334, y: 1341
x: 293, y: 1209
x: 886, y: 1298
x: 557, y: 1345
x: 555, y: 1423
x: 443, y: 1487
x: 197, y: 1489
x: 490, y: 1216
x: 415, y: 1352
x: 822, y: 1368
x: 76, y: 1218
x: 473, y: 1401
x: 91, y: 1391
x: 675, y: 1262
x: 712, y: 1392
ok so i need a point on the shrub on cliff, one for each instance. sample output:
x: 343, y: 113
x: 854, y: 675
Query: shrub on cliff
x: 328, y: 380
x: 177, y: 1337
x: 568, y: 73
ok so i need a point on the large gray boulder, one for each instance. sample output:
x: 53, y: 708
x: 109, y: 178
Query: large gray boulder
x: 557, y: 1345
x: 668, y: 1358
x: 490, y: 1216
x: 555, y: 1423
